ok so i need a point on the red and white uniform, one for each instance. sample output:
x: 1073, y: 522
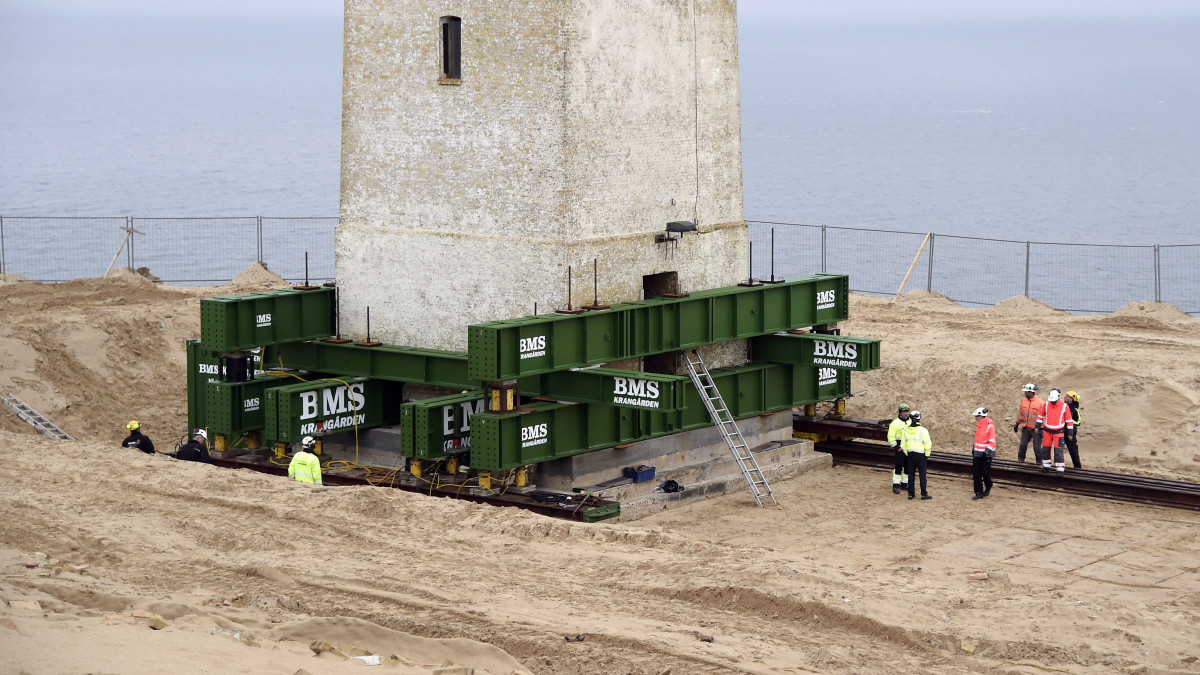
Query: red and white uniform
x: 985, y: 437
x: 1054, y: 418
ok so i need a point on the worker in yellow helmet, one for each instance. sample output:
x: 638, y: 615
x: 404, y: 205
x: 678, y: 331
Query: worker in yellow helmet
x: 305, y: 466
x: 136, y: 439
x: 1071, y: 438
x: 895, y: 436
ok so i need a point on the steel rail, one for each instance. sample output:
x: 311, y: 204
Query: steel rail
x: 1086, y: 482
x: 581, y: 507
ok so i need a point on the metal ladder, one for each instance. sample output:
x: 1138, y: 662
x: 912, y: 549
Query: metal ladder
x: 729, y: 429
x: 35, y: 418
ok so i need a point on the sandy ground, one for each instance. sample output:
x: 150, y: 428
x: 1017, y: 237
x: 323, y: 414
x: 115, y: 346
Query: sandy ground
x: 239, y: 571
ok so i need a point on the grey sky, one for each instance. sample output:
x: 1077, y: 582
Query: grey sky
x: 749, y: 10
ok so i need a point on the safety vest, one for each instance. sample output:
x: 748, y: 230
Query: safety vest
x: 1027, y: 413
x: 895, y: 429
x: 985, y: 438
x: 916, y: 439
x: 1054, y: 416
x: 1074, y: 405
x: 305, y: 467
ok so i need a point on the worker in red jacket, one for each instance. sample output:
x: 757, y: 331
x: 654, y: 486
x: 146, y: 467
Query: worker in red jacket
x: 1026, y: 423
x: 982, y: 453
x: 1053, y: 420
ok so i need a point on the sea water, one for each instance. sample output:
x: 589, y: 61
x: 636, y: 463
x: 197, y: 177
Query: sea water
x: 1060, y: 131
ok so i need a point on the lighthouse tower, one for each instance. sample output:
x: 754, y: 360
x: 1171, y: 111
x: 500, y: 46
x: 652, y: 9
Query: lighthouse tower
x: 488, y: 146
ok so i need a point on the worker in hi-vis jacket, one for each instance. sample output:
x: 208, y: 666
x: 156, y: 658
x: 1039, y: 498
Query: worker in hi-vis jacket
x: 305, y: 466
x: 982, y: 453
x: 1026, y: 423
x: 917, y: 446
x: 1053, y: 421
x: 895, y: 438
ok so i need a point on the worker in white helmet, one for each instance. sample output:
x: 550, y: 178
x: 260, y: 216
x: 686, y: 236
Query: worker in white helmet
x: 917, y: 447
x: 306, y: 466
x: 1026, y: 423
x: 982, y: 453
x: 1053, y: 421
x: 195, y: 450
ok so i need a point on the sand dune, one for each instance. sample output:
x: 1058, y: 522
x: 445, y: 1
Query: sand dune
x: 115, y: 561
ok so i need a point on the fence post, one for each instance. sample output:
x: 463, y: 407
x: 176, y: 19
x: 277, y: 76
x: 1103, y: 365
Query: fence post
x: 1, y: 244
x: 823, y: 230
x: 1157, y: 276
x: 1027, y: 269
x: 929, y: 274
x: 129, y: 250
x: 259, y: 222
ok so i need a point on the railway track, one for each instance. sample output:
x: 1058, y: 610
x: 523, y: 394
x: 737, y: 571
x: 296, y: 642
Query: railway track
x: 582, y: 507
x: 1103, y: 484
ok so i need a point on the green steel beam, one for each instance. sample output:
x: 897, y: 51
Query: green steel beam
x: 385, y: 362
x: 435, y: 427
x: 543, y: 431
x: 818, y: 349
x: 629, y: 388
x: 255, y: 319
x: 611, y: 386
x: 203, y: 367
x: 328, y: 406
x: 514, y: 348
x: 235, y: 408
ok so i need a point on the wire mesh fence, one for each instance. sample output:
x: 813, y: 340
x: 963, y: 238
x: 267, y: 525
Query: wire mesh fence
x: 1086, y: 278
x: 1089, y: 278
x: 177, y: 250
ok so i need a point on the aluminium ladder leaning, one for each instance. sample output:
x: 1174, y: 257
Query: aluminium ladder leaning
x: 729, y: 429
x: 35, y: 418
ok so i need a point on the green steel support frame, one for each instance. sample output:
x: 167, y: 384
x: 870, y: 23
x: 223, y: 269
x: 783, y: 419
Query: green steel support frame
x: 551, y: 356
x: 514, y: 348
x: 818, y: 349
x: 500, y: 441
x: 238, y: 322
x: 330, y: 405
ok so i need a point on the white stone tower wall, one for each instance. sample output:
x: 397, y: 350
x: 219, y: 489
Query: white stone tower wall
x: 571, y: 132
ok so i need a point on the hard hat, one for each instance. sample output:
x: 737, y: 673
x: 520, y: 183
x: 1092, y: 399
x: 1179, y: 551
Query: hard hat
x: 133, y: 424
x: 981, y: 412
x: 1054, y: 395
x: 903, y: 407
x: 1074, y: 396
x: 915, y: 416
x: 1029, y: 387
x: 201, y: 433
x: 308, y: 442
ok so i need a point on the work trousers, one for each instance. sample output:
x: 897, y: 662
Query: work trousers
x: 917, y: 463
x: 1070, y: 437
x: 900, y: 470
x: 1027, y: 435
x: 1052, y: 448
x: 981, y: 471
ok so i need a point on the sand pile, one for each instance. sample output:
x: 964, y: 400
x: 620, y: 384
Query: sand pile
x: 98, y: 544
x: 254, y: 278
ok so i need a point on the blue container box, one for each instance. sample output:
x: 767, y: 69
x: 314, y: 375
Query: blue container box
x: 640, y: 473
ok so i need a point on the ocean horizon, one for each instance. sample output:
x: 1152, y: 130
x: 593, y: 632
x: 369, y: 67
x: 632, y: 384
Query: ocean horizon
x: 1051, y: 130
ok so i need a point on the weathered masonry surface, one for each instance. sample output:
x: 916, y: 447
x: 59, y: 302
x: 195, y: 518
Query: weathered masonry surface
x: 575, y: 132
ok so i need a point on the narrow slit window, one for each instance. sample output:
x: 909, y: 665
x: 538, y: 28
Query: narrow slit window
x: 451, y: 47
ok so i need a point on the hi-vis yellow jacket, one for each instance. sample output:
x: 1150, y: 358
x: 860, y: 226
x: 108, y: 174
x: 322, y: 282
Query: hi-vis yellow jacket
x: 305, y: 467
x: 896, y: 430
x: 916, y: 439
